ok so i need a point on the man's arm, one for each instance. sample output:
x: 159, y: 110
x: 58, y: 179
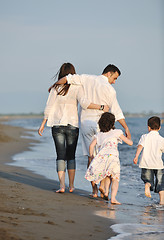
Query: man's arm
x: 124, y: 125
x: 62, y: 80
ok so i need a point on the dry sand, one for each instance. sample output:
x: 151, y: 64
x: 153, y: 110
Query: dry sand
x: 31, y: 210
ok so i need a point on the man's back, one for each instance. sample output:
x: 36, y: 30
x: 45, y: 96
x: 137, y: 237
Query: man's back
x: 97, y: 90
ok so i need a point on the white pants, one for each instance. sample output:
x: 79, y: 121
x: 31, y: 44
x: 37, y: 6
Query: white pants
x: 88, y: 129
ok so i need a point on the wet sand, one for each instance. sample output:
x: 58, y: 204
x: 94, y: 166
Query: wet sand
x: 29, y: 207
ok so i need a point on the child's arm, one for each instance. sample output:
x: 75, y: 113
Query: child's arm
x: 139, y: 149
x: 91, y: 147
x: 126, y: 140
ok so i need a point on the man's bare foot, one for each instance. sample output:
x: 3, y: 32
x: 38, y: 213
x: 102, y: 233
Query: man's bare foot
x: 115, y: 202
x: 147, y: 190
x: 102, y: 192
x: 61, y: 190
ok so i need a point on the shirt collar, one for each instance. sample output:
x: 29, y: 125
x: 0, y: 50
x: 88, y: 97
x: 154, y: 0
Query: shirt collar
x: 154, y: 132
x: 105, y: 78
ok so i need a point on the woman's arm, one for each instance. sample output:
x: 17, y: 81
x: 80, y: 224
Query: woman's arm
x: 139, y: 149
x: 105, y: 108
x: 40, y: 130
x: 126, y: 140
x: 50, y: 103
x: 86, y: 104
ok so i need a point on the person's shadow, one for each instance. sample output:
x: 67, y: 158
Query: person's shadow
x: 37, y: 181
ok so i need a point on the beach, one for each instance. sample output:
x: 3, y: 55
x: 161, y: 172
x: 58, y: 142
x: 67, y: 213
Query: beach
x: 30, y: 208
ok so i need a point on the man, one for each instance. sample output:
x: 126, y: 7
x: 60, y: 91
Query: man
x: 99, y: 90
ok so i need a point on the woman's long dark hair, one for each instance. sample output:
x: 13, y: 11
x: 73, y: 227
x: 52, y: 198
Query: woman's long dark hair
x: 65, y: 69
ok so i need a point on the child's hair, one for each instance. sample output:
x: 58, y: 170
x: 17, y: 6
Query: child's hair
x: 106, y: 122
x: 154, y: 123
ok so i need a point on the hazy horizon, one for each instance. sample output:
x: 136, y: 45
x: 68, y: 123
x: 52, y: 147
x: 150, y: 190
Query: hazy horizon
x: 37, y: 36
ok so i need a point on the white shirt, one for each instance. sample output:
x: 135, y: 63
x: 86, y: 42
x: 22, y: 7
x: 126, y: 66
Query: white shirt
x: 153, y: 145
x: 98, y: 90
x: 111, y: 137
x: 63, y: 110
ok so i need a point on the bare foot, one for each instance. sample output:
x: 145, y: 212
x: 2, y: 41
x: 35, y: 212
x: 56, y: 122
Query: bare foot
x: 61, y: 190
x: 115, y: 202
x: 102, y: 192
x: 106, y: 197
x: 94, y: 195
x: 71, y: 189
x: 147, y: 190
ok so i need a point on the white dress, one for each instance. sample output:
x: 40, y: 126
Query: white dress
x: 106, y: 162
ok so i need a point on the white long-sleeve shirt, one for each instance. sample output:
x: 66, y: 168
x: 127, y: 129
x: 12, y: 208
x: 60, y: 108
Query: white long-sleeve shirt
x: 63, y: 110
x: 98, y: 90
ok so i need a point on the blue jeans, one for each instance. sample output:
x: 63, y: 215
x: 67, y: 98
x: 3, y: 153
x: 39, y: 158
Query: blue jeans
x: 65, y: 139
x: 148, y: 175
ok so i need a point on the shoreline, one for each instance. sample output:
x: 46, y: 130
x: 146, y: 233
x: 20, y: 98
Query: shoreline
x: 29, y: 208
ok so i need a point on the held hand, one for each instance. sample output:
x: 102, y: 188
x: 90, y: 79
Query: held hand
x: 135, y: 160
x: 106, y: 108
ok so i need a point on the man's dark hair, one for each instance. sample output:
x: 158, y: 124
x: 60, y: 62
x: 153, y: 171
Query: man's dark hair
x: 111, y: 68
x: 154, y: 123
x: 106, y: 122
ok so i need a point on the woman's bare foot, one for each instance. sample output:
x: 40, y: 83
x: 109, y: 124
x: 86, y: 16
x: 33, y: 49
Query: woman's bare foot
x: 61, y: 190
x: 114, y: 201
x: 147, y: 190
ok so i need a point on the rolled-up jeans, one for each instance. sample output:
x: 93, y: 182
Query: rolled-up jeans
x: 65, y: 139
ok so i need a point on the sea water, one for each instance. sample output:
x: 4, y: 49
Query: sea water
x: 138, y: 217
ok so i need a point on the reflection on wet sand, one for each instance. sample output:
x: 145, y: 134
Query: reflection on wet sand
x: 153, y: 213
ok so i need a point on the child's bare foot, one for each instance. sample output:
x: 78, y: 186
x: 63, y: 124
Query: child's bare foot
x: 94, y: 195
x: 161, y: 197
x: 114, y: 201
x: 147, y: 190
x: 102, y: 192
x: 61, y: 190
x: 71, y: 189
x: 106, y: 197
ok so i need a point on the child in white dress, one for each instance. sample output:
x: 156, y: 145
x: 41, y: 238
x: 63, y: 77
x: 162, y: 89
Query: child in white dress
x: 105, y: 166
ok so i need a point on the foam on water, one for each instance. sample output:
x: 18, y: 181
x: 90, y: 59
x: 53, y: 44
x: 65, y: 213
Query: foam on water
x: 143, y: 218
x: 130, y: 231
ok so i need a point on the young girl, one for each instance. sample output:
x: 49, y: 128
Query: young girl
x: 105, y: 166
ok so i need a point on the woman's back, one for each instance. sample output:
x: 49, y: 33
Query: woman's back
x: 63, y: 110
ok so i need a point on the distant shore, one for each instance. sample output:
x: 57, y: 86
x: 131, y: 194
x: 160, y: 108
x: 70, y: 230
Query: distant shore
x: 29, y: 207
x: 40, y: 115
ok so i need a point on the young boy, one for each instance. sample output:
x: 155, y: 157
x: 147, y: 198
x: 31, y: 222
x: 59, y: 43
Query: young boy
x: 151, y: 160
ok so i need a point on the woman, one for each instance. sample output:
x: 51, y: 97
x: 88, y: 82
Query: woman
x: 61, y: 114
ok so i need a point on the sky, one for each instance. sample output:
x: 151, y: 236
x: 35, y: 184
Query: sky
x: 38, y: 36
